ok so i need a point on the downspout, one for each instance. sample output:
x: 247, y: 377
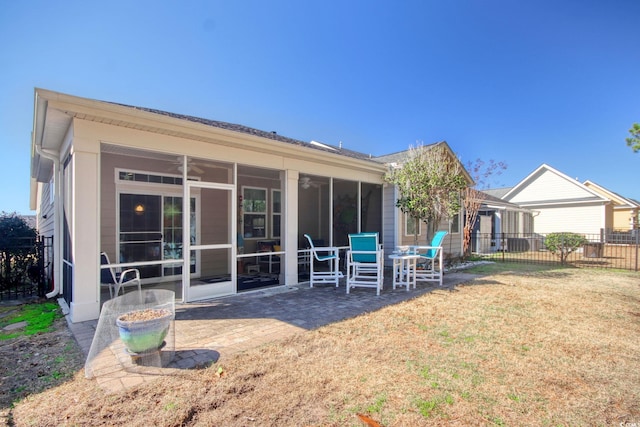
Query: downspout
x: 40, y: 115
x: 57, y: 218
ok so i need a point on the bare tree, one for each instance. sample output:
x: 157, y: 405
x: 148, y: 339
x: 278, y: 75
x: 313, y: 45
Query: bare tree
x: 473, y: 197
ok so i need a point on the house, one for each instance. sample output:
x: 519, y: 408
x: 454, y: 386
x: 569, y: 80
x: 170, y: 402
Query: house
x: 147, y: 187
x: 404, y: 228
x: 625, y: 212
x: 561, y: 203
x: 499, y: 222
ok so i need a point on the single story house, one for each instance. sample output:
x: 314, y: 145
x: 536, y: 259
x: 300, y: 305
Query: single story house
x: 499, y: 223
x: 625, y: 212
x: 201, y: 207
x: 561, y: 203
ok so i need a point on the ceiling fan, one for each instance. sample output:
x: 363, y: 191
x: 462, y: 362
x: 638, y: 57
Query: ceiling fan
x: 306, y: 182
x: 191, y: 166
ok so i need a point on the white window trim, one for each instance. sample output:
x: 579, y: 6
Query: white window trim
x: 152, y: 189
x: 265, y: 213
x: 274, y: 213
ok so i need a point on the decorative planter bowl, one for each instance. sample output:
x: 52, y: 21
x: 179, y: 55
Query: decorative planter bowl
x: 143, y: 331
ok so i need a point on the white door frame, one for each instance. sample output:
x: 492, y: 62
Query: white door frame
x: 207, y: 291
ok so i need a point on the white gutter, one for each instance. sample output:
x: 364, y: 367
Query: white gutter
x: 57, y: 220
x: 57, y: 217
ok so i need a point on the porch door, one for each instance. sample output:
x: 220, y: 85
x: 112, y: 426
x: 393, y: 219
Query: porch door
x: 214, y: 245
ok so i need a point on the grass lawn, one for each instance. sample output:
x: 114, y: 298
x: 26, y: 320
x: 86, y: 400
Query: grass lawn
x: 523, y: 346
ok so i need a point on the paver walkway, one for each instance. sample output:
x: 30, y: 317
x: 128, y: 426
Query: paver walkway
x: 209, y: 331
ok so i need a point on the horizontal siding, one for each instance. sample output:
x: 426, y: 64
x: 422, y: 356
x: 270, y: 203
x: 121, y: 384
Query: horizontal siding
x: 579, y: 219
x: 551, y: 187
x: 47, y: 212
x: 622, y: 219
x: 389, y: 232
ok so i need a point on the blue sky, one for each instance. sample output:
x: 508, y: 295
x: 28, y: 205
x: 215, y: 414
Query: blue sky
x: 524, y: 82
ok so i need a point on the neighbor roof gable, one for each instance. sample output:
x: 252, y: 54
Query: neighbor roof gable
x: 617, y: 199
x: 547, y: 185
x: 400, y: 156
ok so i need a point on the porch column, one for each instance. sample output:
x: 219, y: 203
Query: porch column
x: 85, y: 230
x: 290, y: 229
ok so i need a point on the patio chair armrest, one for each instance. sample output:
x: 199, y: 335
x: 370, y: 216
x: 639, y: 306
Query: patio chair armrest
x: 125, y: 273
x: 325, y: 248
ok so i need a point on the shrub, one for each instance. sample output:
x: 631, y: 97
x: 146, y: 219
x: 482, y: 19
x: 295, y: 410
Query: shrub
x: 17, y: 249
x: 563, y: 244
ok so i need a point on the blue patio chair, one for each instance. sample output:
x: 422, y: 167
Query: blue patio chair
x: 365, y: 262
x: 428, y: 269
x: 117, y: 280
x: 322, y: 254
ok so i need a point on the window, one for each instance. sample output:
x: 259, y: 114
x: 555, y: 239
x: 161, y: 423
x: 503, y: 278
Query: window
x: 276, y: 211
x: 254, y: 207
x: 410, y: 226
x: 454, y: 225
x: 151, y: 230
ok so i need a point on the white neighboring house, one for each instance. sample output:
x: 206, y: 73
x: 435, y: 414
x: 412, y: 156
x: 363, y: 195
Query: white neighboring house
x: 562, y: 204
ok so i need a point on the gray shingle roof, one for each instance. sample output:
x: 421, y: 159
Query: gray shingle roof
x: 497, y: 192
x: 256, y: 132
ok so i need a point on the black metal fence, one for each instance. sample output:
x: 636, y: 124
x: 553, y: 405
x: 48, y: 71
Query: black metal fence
x: 26, y: 268
x: 618, y: 250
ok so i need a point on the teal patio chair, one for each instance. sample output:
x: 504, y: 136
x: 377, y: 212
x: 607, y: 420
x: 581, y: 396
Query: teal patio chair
x: 365, y: 262
x: 430, y: 264
x: 323, y: 254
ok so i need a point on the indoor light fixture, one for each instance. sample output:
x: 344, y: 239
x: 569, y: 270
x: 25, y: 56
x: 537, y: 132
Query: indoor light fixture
x: 139, y: 209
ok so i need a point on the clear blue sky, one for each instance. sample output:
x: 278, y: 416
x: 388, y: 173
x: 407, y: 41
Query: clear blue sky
x: 525, y: 82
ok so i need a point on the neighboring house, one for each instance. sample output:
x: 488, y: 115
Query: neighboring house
x: 403, y: 231
x: 499, y: 221
x: 625, y: 212
x: 147, y: 186
x: 561, y: 203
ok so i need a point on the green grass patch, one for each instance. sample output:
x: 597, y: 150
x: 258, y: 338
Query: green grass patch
x: 377, y: 405
x: 433, y: 406
x: 38, y: 316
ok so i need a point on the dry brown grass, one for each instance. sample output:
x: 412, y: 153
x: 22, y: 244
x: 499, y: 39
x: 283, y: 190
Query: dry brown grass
x: 560, y: 347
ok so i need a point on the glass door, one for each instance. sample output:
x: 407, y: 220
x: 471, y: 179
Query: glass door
x: 172, y: 224
x: 151, y: 230
x: 140, y: 232
x: 214, y: 244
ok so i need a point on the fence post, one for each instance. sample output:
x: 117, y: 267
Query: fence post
x: 637, y: 233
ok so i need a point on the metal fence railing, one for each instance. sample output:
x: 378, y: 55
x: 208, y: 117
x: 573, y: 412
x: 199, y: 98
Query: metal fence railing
x: 618, y: 250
